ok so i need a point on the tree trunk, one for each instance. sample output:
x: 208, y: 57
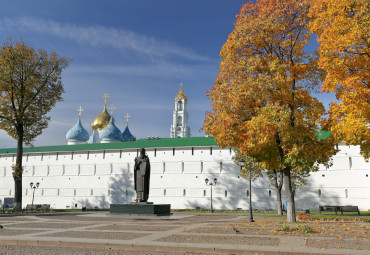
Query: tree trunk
x: 278, y: 201
x: 278, y: 184
x: 18, y: 171
x: 291, y: 217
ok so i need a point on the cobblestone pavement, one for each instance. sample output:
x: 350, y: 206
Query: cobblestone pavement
x: 103, y: 233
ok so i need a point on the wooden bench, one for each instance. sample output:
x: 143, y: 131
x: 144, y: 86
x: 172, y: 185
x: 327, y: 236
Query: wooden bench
x: 45, y: 207
x: 349, y: 208
x: 338, y: 208
x: 332, y: 208
x: 31, y: 207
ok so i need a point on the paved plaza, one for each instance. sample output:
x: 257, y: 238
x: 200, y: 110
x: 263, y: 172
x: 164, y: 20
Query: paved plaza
x: 103, y: 233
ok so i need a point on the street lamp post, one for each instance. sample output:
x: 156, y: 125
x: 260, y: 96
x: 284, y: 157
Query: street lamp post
x: 34, y: 187
x: 242, y: 164
x: 208, y: 183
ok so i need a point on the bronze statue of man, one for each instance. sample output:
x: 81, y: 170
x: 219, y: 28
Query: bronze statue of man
x: 142, y: 176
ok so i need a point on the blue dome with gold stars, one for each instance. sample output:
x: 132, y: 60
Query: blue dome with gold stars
x: 110, y: 132
x: 127, y: 136
x: 78, y: 133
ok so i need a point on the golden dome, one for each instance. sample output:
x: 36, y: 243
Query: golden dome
x: 181, y: 95
x: 101, y: 120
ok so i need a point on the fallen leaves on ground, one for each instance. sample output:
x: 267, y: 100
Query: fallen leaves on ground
x: 337, y: 227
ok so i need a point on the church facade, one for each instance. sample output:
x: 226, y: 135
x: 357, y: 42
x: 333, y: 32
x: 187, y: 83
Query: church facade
x: 96, y: 170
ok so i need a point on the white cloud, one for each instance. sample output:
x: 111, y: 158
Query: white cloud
x: 100, y: 36
x: 158, y: 70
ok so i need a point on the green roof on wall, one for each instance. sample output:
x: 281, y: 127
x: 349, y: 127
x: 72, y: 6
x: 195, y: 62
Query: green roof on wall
x: 142, y: 143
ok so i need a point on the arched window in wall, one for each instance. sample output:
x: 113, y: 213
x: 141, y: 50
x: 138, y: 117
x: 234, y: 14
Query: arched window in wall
x: 180, y: 106
x: 179, y: 121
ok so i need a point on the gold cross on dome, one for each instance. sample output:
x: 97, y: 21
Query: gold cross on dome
x: 112, y: 108
x: 80, y: 112
x: 127, y: 117
x: 181, y: 85
x: 105, y: 98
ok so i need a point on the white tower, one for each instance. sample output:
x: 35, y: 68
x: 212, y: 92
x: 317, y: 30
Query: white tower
x: 180, y: 127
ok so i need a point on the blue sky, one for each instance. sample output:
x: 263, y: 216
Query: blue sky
x: 138, y: 51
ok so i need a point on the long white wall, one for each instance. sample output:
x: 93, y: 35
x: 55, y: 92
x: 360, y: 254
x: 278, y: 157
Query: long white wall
x: 99, y: 178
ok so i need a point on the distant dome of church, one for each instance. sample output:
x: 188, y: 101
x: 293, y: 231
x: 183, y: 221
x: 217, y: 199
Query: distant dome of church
x: 181, y: 95
x: 101, y: 121
x: 127, y: 136
x: 78, y: 133
x: 110, y: 133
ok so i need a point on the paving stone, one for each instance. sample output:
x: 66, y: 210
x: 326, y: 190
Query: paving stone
x: 53, y: 225
x: 98, y: 235
x: 338, y: 244
x: 136, y: 227
x: 13, y: 218
x: 90, y: 233
x: 31, y: 250
x: 232, y: 239
x: 13, y: 232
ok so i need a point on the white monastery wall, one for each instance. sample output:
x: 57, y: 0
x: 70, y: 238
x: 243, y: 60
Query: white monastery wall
x: 98, y: 178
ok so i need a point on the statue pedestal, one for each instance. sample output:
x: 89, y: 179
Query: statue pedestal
x: 141, y: 208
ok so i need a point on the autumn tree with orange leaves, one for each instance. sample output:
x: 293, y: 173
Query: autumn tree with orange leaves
x: 261, y: 100
x: 343, y: 28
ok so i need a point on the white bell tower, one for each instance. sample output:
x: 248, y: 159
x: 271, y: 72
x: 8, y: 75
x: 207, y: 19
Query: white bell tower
x: 180, y: 126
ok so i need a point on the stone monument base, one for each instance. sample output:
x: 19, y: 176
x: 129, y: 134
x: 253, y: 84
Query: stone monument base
x: 141, y: 208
